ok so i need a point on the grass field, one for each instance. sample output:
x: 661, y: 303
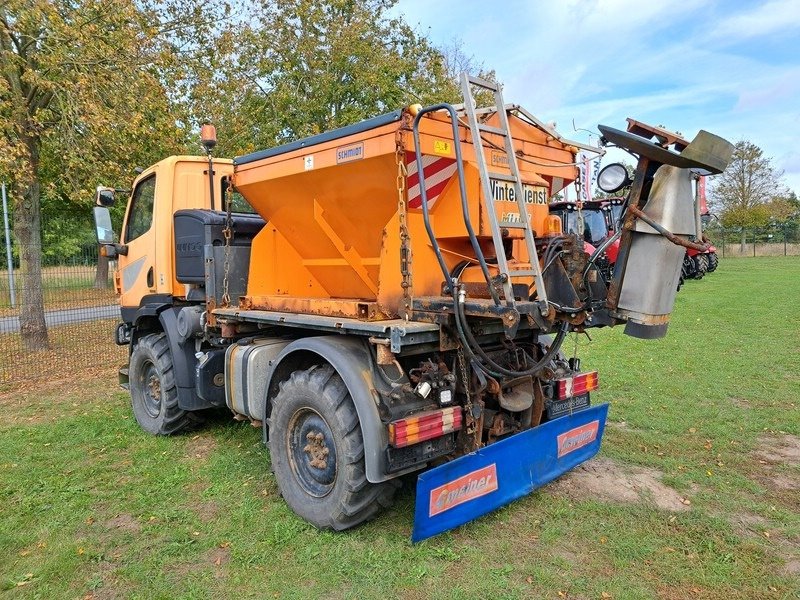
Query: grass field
x: 64, y: 286
x: 695, y: 494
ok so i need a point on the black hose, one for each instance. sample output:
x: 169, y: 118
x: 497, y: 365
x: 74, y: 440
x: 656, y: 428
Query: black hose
x: 494, y: 369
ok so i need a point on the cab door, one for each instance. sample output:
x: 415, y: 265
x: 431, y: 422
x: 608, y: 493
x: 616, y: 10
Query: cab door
x: 137, y: 269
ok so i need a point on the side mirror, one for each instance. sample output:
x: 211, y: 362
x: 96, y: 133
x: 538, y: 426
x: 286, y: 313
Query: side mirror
x: 102, y: 225
x: 104, y: 196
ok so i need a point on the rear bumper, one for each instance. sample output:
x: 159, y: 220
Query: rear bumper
x: 478, y: 483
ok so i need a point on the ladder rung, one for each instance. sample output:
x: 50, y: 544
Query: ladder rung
x: 511, y: 225
x: 496, y: 130
x: 487, y: 85
x: 503, y: 177
x: 523, y: 273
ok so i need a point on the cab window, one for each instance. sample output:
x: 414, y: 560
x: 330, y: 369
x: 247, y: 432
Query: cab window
x: 140, y: 218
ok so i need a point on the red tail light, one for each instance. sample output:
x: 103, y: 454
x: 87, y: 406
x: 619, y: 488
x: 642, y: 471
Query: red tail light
x: 424, y: 426
x: 579, y: 384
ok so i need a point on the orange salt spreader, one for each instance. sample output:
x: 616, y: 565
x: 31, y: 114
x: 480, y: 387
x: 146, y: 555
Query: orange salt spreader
x: 346, y: 231
x: 398, y: 304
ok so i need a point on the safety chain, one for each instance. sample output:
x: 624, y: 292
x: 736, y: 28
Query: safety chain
x: 405, y: 238
x: 227, y: 233
x: 462, y: 364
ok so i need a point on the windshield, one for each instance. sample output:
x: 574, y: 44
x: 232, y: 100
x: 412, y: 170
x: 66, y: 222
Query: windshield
x: 595, y: 229
x: 569, y: 220
x: 616, y: 214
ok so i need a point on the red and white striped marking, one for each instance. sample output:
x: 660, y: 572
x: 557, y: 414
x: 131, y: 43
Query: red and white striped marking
x: 437, y: 170
x: 424, y: 426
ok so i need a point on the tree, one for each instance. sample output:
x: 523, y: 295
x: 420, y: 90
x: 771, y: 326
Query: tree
x: 84, y: 89
x: 745, y: 188
x: 301, y: 67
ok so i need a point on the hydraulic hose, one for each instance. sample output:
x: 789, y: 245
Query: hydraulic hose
x: 494, y: 369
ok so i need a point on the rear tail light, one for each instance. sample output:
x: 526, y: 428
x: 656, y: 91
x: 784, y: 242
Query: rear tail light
x: 576, y: 385
x: 424, y: 426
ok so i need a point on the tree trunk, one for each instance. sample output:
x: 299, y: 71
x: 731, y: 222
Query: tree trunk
x: 743, y: 243
x: 27, y: 230
x: 101, y: 275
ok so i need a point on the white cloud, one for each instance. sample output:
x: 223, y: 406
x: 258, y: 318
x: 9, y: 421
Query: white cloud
x: 711, y: 64
x: 769, y: 18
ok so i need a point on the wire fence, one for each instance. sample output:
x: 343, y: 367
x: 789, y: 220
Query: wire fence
x: 80, y: 311
x: 776, y: 240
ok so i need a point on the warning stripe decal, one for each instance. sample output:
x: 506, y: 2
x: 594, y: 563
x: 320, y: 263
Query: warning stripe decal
x: 438, y: 172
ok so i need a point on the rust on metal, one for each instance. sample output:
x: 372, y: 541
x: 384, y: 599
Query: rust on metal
x: 383, y: 351
x: 228, y: 330
x: 665, y: 137
x: 678, y: 241
x: 329, y: 307
x: 538, y: 403
x: 211, y: 318
x: 316, y: 450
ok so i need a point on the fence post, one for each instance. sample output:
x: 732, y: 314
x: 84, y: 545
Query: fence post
x: 11, y: 289
x: 783, y: 228
x: 723, y: 243
x: 754, y: 243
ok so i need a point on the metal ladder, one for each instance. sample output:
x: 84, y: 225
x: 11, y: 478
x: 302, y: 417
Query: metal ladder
x: 486, y: 176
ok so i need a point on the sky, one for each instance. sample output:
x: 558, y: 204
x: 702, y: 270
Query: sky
x: 730, y: 67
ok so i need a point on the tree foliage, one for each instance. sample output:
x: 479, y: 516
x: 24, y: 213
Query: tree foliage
x: 747, y: 188
x: 91, y: 88
x: 301, y: 67
x: 84, y: 90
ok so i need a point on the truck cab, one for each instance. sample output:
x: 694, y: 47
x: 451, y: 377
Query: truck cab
x: 147, y: 267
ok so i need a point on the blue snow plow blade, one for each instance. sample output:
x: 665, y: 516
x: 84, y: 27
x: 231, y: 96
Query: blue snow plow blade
x: 476, y: 484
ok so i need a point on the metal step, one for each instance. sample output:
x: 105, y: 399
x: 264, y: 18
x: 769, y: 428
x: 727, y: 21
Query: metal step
x: 502, y: 177
x: 490, y: 129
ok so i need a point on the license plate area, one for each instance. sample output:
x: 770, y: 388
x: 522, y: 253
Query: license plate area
x: 559, y: 408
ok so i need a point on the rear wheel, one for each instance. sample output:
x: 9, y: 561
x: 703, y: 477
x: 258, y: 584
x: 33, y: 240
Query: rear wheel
x: 701, y: 265
x: 154, y: 395
x: 713, y: 262
x: 687, y: 269
x: 317, y: 452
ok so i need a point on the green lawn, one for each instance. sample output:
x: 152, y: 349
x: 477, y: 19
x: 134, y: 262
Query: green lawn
x: 705, y: 423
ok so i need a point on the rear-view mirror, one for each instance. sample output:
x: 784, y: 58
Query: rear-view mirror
x: 104, y: 196
x: 103, y: 227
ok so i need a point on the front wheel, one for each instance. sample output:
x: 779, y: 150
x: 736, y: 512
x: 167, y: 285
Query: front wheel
x: 154, y: 394
x: 317, y: 452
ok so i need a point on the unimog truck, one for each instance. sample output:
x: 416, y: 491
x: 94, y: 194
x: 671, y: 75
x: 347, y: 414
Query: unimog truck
x: 395, y: 304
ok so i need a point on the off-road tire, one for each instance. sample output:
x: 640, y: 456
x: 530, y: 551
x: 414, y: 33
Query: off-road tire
x: 154, y: 394
x: 687, y: 268
x: 313, y: 414
x: 713, y: 261
x: 701, y: 264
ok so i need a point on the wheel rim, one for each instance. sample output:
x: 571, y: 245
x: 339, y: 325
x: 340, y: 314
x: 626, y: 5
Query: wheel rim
x: 151, y: 389
x: 312, y: 452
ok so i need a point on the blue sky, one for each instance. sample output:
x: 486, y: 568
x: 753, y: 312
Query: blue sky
x: 732, y: 68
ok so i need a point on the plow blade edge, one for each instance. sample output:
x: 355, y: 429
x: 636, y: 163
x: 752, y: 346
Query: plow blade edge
x: 476, y: 484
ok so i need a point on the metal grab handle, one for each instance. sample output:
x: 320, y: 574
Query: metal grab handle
x: 462, y: 189
x: 637, y: 212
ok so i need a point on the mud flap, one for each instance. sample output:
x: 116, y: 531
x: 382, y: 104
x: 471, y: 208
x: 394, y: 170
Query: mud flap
x: 476, y: 484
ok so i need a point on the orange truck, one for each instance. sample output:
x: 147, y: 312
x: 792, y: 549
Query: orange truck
x: 391, y: 298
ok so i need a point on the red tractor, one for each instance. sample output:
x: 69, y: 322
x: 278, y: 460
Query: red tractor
x: 599, y: 221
